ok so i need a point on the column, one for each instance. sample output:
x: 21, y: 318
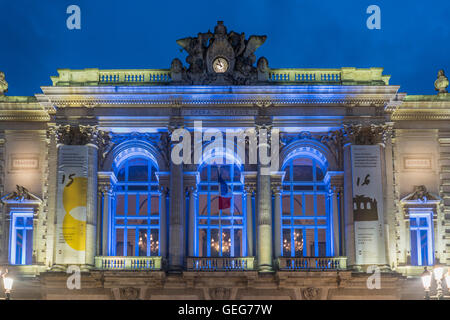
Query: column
x: 164, y: 182
x: 349, y: 227
x: 192, y: 191
x: 277, y: 190
x: 106, y: 182
x: 249, y: 192
x: 264, y: 221
x: 176, y: 218
x: 163, y: 222
x: 91, y: 206
x: 334, y: 196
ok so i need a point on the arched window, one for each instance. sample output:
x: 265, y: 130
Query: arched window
x: 137, y: 209
x: 305, y: 222
x: 220, y: 227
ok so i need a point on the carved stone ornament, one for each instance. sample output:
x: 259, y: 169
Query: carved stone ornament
x: 76, y: 135
x: 421, y: 194
x: 311, y: 293
x: 3, y: 84
x: 366, y: 134
x: 21, y: 194
x: 220, y: 293
x: 129, y: 293
x: 220, y: 58
x: 441, y: 82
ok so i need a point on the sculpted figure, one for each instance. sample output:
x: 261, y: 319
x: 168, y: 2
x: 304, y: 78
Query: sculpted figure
x: 441, y: 82
x: 3, y: 84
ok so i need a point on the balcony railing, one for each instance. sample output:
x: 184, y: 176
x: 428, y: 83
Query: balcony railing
x: 128, y: 263
x: 220, y: 264
x: 312, y: 263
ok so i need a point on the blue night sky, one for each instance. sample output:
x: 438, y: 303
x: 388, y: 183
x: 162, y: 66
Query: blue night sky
x: 413, y: 43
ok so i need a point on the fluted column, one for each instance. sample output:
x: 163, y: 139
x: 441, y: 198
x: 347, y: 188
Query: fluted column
x: 106, y: 181
x: 249, y: 192
x: 264, y: 221
x: 192, y: 191
x: 277, y: 190
x: 163, y: 222
x: 176, y: 218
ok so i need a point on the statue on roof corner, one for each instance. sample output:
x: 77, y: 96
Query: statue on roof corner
x: 3, y: 84
x: 220, y: 58
x: 441, y: 82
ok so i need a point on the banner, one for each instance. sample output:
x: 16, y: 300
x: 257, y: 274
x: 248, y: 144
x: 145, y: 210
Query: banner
x: 71, y: 205
x: 368, y: 204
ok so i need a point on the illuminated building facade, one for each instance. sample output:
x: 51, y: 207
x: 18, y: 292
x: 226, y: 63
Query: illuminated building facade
x: 88, y: 180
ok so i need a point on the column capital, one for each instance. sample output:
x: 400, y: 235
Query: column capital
x: 79, y: 135
x: 277, y: 188
x: 366, y: 133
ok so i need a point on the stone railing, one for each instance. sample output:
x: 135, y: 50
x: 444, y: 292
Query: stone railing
x: 128, y: 263
x: 134, y: 76
x: 220, y: 264
x: 305, y: 75
x: 312, y: 263
x: 350, y: 76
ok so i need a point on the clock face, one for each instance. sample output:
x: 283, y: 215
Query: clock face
x: 220, y: 65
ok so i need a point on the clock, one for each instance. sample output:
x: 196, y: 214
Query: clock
x: 220, y: 65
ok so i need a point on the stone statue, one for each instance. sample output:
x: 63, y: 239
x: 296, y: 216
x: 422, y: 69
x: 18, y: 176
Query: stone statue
x: 3, y: 84
x: 238, y: 52
x: 441, y: 82
x: 20, y: 195
x: 176, y: 69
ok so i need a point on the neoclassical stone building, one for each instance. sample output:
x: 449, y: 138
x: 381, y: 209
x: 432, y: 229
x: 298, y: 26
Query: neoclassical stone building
x: 88, y: 180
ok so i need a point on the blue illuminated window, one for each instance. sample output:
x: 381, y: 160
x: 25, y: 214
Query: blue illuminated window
x: 220, y: 232
x: 137, y: 209
x: 305, y: 215
x: 421, y: 239
x: 21, y: 240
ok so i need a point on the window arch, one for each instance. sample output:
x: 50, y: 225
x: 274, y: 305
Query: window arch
x: 136, y: 218
x: 305, y: 210
x: 220, y: 232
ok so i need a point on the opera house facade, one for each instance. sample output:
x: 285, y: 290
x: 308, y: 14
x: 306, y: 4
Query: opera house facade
x: 130, y: 177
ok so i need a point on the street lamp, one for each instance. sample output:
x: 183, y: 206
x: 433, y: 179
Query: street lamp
x: 7, y: 284
x: 426, y: 281
x: 438, y: 272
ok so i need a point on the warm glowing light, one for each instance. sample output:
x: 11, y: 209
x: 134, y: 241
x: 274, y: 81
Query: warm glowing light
x: 426, y: 279
x: 438, y: 272
x: 8, y: 283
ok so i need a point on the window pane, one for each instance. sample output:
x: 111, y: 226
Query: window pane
x: 298, y: 242
x: 143, y: 204
x: 298, y: 204
x: 131, y: 242
x: 120, y: 205
x: 155, y: 205
x: 214, y: 205
x: 29, y: 246
x: 414, y: 257
x: 237, y: 205
x: 119, y: 242
x: 19, y: 244
x: 286, y: 206
x: 138, y: 170
x: 226, y: 242
x: 142, y: 242
x: 310, y: 247
x: 154, y: 242
x: 132, y: 205
x: 322, y: 242
x: 203, y: 204
x: 321, y: 205
x: 238, y: 243
x: 215, y: 243
x: 309, y: 205
x: 286, y: 242
x: 424, y: 247
x: 202, y: 243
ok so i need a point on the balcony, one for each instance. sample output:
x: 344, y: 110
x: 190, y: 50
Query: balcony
x: 128, y: 263
x: 312, y: 263
x: 220, y: 264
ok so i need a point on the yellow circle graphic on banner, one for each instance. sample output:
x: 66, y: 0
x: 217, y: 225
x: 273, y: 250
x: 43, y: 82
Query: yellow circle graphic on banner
x: 74, y: 224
